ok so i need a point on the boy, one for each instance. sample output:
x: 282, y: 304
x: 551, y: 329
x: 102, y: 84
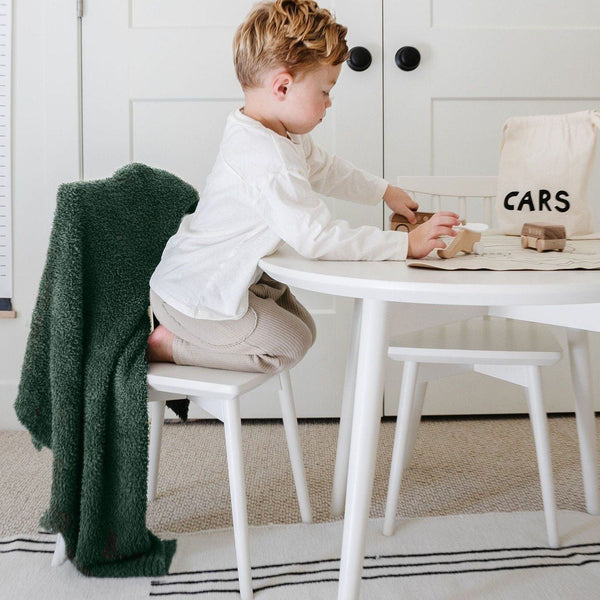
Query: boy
x: 215, y: 306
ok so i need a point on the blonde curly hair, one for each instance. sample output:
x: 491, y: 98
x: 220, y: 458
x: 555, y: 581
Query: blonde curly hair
x: 294, y: 34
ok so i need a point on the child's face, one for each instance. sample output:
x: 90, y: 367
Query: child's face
x: 307, y: 99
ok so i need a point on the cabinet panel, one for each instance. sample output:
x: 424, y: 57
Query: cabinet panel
x: 481, y: 62
x: 159, y: 93
x: 515, y: 13
x: 187, y: 13
x: 169, y: 121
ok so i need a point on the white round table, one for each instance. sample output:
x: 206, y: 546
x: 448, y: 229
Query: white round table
x: 395, y: 281
x: 570, y: 298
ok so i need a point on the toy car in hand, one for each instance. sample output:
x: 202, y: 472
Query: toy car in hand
x: 400, y: 222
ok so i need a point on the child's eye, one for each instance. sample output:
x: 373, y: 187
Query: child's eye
x: 326, y: 93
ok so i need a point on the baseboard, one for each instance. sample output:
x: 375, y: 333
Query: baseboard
x: 8, y: 394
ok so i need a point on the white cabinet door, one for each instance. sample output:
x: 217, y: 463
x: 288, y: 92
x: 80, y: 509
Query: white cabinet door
x: 481, y: 62
x: 158, y: 82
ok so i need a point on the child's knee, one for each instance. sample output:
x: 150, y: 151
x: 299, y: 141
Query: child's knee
x: 299, y: 346
x: 291, y: 351
x: 312, y: 328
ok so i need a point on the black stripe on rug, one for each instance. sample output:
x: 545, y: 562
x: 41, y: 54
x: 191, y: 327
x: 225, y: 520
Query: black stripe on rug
x: 378, y: 557
x: 386, y: 576
x: 377, y: 567
x: 22, y: 543
x: 30, y: 551
x: 29, y: 541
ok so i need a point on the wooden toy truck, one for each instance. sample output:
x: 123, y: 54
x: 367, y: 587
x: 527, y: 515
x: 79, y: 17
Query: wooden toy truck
x: 466, y: 241
x: 400, y: 223
x: 543, y: 236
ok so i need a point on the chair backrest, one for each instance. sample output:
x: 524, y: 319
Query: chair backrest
x: 471, y: 197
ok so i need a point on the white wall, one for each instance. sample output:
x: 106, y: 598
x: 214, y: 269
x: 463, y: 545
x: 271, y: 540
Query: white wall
x: 45, y: 154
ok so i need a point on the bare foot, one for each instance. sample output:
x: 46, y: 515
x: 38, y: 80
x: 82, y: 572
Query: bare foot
x: 160, y: 345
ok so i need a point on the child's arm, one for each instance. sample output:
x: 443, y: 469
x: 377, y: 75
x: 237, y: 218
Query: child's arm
x: 334, y: 176
x: 331, y: 175
x: 292, y: 209
x: 400, y: 202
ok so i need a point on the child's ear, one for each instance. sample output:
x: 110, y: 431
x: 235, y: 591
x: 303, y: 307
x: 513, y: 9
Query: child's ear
x: 281, y: 85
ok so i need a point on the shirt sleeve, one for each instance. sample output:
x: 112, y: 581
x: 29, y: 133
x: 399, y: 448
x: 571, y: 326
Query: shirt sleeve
x: 300, y: 217
x: 333, y: 176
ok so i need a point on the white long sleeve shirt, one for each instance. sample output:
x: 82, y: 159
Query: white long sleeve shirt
x: 263, y: 190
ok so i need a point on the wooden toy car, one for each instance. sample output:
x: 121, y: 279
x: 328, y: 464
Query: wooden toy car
x: 466, y: 241
x: 400, y: 223
x: 543, y: 236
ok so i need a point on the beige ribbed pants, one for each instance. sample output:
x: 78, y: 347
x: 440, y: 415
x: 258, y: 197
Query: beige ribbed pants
x: 273, y: 335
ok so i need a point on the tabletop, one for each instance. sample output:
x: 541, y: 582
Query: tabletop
x: 395, y: 281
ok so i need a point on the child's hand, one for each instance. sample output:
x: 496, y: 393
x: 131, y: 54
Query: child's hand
x: 400, y: 202
x: 424, y: 238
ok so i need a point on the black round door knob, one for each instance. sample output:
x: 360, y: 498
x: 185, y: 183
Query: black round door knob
x: 408, y: 58
x: 360, y: 59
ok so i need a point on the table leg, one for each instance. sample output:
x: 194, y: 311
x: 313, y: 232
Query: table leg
x: 581, y: 377
x: 373, y: 342
x: 340, y: 475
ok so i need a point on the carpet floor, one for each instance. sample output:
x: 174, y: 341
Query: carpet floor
x: 460, y: 466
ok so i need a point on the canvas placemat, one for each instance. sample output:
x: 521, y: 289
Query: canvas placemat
x: 504, y: 253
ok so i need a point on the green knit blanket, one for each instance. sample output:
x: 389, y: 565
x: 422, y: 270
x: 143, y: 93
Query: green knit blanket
x: 83, y: 383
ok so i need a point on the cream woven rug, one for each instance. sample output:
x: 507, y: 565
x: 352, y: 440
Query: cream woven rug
x: 494, y: 556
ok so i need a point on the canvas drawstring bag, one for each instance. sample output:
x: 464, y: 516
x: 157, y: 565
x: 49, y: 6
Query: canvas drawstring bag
x: 545, y: 165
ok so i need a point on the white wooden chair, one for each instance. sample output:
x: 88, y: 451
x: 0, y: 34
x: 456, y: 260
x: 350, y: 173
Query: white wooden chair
x: 473, y: 198
x: 512, y: 350
x: 218, y: 392
x: 509, y: 350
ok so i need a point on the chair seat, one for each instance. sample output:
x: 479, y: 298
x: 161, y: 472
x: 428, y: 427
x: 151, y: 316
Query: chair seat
x: 168, y: 377
x: 480, y: 340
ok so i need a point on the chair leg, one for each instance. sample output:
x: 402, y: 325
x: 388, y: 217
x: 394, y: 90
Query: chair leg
x: 584, y: 411
x: 290, y: 423
x: 401, y: 442
x: 157, y: 415
x: 542, y: 446
x: 415, y: 419
x: 60, y: 552
x: 237, y: 487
